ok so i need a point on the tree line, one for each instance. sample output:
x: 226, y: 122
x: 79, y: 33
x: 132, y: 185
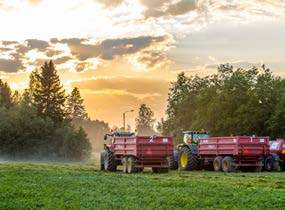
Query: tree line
x: 38, y: 123
x: 230, y: 102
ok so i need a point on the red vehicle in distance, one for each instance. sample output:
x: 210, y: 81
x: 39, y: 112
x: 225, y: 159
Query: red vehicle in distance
x: 276, y: 158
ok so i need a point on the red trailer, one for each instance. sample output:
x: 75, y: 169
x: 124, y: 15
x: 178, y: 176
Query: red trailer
x: 229, y: 153
x: 276, y: 157
x: 135, y: 153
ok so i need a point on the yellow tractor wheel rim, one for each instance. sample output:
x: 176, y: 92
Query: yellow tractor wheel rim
x: 183, y: 159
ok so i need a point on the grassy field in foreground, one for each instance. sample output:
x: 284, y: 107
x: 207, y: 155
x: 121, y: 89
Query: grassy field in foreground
x: 74, y: 186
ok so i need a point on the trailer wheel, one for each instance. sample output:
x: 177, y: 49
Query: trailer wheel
x: 187, y: 160
x: 270, y: 164
x: 131, y: 165
x: 282, y: 166
x: 154, y: 170
x: 227, y: 164
x: 110, y: 163
x: 217, y: 164
x: 173, y: 164
x: 124, y: 164
x: 139, y: 170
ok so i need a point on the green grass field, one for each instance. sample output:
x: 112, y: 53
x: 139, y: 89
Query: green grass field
x: 75, y: 186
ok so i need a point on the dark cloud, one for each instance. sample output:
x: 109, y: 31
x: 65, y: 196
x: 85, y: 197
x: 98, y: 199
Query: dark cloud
x: 157, y: 8
x: 62, y: 60
x: 40, y: 45
x: 110, y: 3
x: 11, y: 65
x: 110, y: 48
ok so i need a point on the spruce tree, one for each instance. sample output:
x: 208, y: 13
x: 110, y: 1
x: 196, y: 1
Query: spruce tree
x: 75, y: 107
x: 6, y: 99
x: 145, y: 120
x: 48, y: 94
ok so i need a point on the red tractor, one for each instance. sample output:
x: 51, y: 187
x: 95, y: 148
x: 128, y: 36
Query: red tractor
x: 135, y: 153
x: 276, y: 158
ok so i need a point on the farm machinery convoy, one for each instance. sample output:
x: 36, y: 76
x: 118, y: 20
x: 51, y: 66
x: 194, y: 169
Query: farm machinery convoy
x: 198, y: 151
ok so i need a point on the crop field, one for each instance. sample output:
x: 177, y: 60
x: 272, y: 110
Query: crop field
x: 84, y: 186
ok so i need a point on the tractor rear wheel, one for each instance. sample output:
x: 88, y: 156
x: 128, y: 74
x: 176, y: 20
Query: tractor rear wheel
x: 124, y: 164
x: 187, y: 160
x: 227, y: 164
x: 282, y: 166
x: 110, y: 163
x: 217, y: 164
x: 275, y: 166
x: 131, y: 165
x: 173, y: 164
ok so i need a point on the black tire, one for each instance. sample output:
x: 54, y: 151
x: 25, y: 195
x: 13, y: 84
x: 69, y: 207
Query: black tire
x: 110, y: 163
x: 268, y: 163
x: 102, y: 168
x: 282, y: 166
x: 124, y: 164
x: 217, y: 164
x: 187, y: 160
x: 131, y: 162
x: 228, y: 164
x: 275, y: 166
x: 173, y: 164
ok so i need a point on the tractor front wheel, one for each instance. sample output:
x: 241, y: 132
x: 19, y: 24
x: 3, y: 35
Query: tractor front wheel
x: 187, y: 160
x: 110, y: 163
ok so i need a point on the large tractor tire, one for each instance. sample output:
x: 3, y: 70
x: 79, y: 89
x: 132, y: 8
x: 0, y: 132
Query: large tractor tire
x: 124, y: 164
x: 217, y: 164
x: 173, y: 164
x: 131, y: 165
x: 110, y: 163
x: 228, y: 164
x: 187, y: 160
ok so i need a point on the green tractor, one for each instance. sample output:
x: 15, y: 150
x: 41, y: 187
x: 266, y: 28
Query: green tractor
x: 187, y: 154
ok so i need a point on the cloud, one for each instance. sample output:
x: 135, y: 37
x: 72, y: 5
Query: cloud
x: 133, y: 85
x: 62, y: 60
x: 110, y: 48
x: 35, y: 2
x: 52, y: 52
x: 5, y: 49
x: 80, y: 67
x: 11, y: 65
x: 9, y: 42
x: 40, y: 45
x: 157, y: 8
x: 110, y: 3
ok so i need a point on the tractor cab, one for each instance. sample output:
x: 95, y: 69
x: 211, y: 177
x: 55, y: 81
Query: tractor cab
x: 192, y: 137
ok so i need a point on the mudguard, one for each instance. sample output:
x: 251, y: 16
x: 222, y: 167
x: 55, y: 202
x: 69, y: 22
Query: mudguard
x: 193, y: 148
x: 275, y: 157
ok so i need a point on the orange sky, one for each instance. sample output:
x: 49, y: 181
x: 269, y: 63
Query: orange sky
x: 121, y: 53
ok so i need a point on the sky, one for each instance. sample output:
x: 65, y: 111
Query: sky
x: 122, y: 53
